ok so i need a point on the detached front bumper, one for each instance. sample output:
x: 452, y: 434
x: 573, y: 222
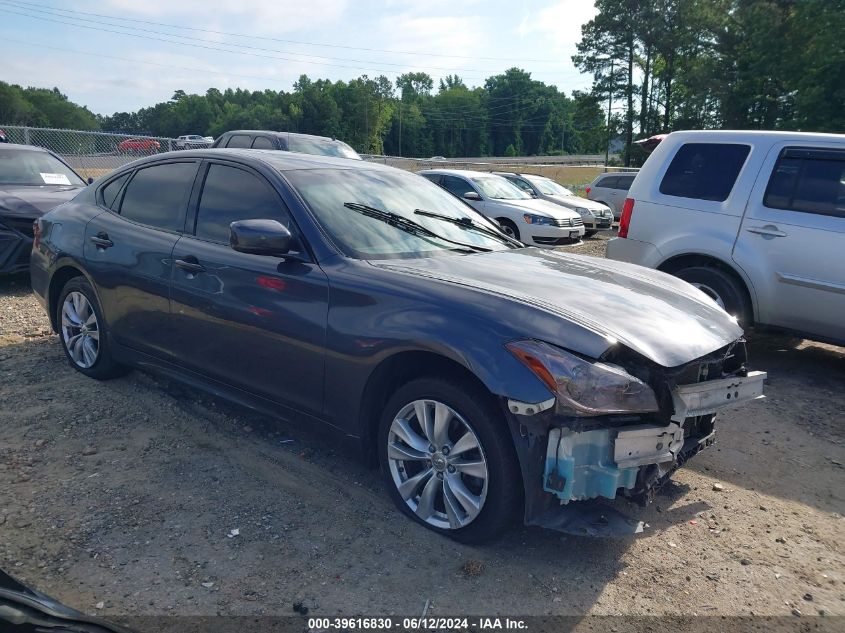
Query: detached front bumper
x: 629, y: 459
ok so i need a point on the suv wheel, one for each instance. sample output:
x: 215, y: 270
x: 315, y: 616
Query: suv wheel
x: 720, y: 286
x: 448, y: 460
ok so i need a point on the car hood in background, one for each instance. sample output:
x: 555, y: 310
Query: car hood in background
x: 576, y: 201
x: 35, y: 200
x: 659, y: 316
x: 535, y: 205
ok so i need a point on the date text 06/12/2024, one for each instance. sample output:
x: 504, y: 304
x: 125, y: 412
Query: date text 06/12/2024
x: 417, y: 623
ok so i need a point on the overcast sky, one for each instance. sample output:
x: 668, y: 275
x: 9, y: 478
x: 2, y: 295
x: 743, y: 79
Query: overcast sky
x: 109, y: 54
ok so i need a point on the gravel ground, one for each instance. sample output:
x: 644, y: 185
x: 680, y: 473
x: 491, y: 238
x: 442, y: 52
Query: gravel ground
x: 140, y: 497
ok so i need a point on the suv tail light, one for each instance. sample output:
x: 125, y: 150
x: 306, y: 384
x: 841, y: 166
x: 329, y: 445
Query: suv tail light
x: 587, y: 190
x: 625, y: 220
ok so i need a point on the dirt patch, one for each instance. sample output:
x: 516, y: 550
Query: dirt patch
x: 155, y: 499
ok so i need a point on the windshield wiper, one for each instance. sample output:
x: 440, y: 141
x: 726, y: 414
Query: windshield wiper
x: 409, y: 226
x: 467, y: 223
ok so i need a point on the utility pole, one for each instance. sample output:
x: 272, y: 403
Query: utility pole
x: 400, y: 126
x: 609, y: 108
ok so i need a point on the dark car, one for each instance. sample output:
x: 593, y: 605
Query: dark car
x: 286, y: 141
x: 27, y: 610
x: 488, y: 379
x: 32, y: 181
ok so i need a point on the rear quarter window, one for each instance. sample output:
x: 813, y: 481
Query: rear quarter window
x: 704, y: 171
x: 607, y: 183
x: 239, y: 140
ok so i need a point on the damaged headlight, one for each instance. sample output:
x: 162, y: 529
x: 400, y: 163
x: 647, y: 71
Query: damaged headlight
x: 584, y: 388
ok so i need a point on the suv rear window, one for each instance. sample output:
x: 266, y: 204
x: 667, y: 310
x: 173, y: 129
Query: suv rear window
x: 704, y: 171
x: 808, y: 180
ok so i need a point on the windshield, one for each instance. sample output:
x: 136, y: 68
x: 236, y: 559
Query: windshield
x: 330, y: 192
x: 549, y: 187
x: 499, y: 188
x: 28, y: 167
x: 321, y: 147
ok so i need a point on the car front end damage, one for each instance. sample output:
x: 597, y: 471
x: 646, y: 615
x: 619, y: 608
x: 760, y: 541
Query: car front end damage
x: 15, y: 243
x: 617, y: 427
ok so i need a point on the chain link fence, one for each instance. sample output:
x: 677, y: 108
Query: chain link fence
x: 94, y: 154
x: 91, y: 154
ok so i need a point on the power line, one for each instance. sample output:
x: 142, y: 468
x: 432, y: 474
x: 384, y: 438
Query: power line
x: 211, y: 48
x: 289, y: 41
x: 52, y: 17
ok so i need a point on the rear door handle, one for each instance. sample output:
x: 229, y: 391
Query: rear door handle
x: 190, y: 264
x: 769, y: 230
x: 102, y: 240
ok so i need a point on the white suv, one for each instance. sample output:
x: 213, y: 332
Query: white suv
x: 756, y: 220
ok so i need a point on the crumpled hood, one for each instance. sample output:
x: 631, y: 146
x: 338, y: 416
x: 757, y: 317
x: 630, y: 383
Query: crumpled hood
x: 543, y: 207
x: 659, y: 316
x: 34, y: 201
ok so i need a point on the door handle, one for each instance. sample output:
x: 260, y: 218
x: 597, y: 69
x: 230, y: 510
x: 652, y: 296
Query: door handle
x: 102, y: 240
x: 190, y: 264
x: 767, y: 231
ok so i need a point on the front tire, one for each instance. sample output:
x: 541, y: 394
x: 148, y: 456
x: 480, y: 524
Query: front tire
x: 589, y: 234
x: 509, y: 228
x: 82, y: 331
x: 448, y: 459
x: 720, y: 286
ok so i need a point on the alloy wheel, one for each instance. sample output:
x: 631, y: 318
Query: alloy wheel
x: 80, y: 330
x: 437, y: 464
x: 711, y: 293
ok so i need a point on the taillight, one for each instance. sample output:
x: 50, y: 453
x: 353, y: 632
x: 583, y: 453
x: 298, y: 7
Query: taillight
x: 36, y: 234
x: 625, y: 220
x: 587, y: 190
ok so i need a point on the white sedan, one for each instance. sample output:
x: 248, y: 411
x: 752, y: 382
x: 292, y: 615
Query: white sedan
x: 527, y: 219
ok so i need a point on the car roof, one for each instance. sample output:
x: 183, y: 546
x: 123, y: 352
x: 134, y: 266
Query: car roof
x: 279, y: 161
x: 279, y: 134
x: 25, y: 147
x: 466, y: 173
x: 748, y: 135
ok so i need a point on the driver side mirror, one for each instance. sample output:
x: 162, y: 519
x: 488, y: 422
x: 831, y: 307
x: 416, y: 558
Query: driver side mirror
x: 472, y: 195
x: 260, y: 237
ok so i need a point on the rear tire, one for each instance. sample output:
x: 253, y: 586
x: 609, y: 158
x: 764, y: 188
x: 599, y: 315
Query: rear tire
x: 82, y: 332
x: 720, y: 286
x: 509, y: 228
x: 470, y: 486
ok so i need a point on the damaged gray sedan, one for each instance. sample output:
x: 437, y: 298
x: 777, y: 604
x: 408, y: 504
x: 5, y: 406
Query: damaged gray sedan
x: 490, y: 381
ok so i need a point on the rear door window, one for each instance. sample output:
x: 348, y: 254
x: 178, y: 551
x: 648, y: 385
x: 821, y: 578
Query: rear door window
x: 157, y: 196
x: 704, y: 171
x: 457, y: 186
x: 231, y: 194
x: 608, y: 183
x: 239, y: 140
x: 262, y: 142
x: 808, y: 180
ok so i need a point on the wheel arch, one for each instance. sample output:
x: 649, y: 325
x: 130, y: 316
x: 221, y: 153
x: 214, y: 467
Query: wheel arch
x: 58, y: 279
x: 393, y: 372
x: 677, y: 262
